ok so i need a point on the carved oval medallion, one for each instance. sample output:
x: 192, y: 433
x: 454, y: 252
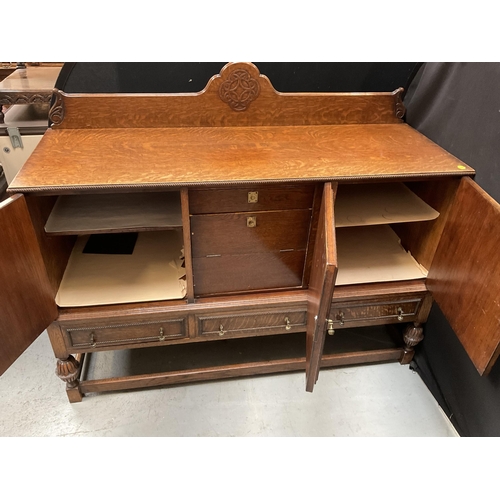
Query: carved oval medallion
x: 239, y: 90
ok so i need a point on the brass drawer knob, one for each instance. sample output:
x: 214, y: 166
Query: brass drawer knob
x: 288, y: 326
x: 251, y: 221
x: 93, y: 341
x: 221, y: 331
x: 329, y: 323
x: 400, y: 314
x: 162, y: 333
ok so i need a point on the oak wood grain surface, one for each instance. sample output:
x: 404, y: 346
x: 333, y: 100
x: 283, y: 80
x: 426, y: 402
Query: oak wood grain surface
x: 240, y: 357
x: 114, y: 330
x: 125, y: 334
x: 422, y: 238
x: 465, y: 275
x: 269, y: 197
x: 76, y: 160
x: 236, y: 370
x: 223, y: 234
x: 186, y: 235
x: 117, y: 213
x: 249, y: 100
x: 282, y: 321
x: 56, y: 250
x: 323, y: 274
x: 246, y: 272
x: 177, y: 110
x: 26, y: 298
x: 350, y: 315
x: 130, y: 312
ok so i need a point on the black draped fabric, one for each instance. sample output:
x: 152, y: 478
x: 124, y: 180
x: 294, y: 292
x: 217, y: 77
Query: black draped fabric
x: 457, y: 105
x: 193, y: 76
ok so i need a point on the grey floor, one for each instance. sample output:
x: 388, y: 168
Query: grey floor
x: 378, y: 400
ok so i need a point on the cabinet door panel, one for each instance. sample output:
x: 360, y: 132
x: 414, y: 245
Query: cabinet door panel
x: 321, y: 283
x: 26, y: 299
x: 465, y: 274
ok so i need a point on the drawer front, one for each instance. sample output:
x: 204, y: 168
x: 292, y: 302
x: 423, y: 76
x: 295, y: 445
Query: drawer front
x: 240, y: 325
x: 250, y: 199
x: 240, y: 273
x: 128, y: 333
x: 251, y: 232
x: 348, y: 316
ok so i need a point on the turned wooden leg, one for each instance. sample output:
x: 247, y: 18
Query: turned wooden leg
x: 68, y: 370
x: 412, y: 336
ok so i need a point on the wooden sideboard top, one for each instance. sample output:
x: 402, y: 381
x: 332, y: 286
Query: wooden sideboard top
x: 238, y: 130
x: 151, y: 158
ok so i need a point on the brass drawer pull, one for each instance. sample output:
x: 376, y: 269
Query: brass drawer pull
x: 400, y: 314
x: 162, y: 333
x: 251, y: 221
x: 340, y: 317
x: 329, y: 323
x: 287, y: 323
x: 221, y: 331
x: 93, y: 341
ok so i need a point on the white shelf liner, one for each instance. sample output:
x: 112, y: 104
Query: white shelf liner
x: 152, y: 272
x: 371, y: 254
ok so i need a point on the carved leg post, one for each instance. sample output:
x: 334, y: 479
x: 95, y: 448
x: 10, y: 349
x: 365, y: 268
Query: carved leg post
x: 68, y: 370
x: 412, y: 336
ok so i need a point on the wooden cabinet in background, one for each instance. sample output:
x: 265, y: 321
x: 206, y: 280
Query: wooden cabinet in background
x: 245, y: 231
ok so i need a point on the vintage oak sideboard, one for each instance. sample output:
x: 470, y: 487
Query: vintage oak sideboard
x: 236, y: 216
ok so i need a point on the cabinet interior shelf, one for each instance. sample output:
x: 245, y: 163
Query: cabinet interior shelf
x: 153, y: 271
x: 109, y: 213
x: 371, y: 254
x: 385, y: 203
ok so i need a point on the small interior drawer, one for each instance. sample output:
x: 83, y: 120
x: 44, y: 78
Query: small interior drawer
x: 250, y: 199
x: 128, y: 333
x: 374, y: 313
x: 240, y: 325
x: 250, y: 232
x: 247, y: 272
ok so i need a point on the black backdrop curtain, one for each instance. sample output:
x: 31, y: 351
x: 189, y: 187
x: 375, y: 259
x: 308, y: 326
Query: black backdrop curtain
x: 457, y: 105
x: 193, y: 76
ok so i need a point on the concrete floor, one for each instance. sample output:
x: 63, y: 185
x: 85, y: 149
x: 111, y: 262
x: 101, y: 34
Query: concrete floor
x: 378, y: 400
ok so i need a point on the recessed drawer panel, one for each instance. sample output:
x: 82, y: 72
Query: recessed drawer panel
x: 240, y: 273
x: 240, y: 325
x: 251, y: 232
x: 128, y: 333
x: 375, y: 313
x: 250, y: 199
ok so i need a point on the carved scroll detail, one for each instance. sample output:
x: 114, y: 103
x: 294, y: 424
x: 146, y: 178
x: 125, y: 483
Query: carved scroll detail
x: 239, y: 89
x: 56, y: 113
x: 400, y: 107
x: 17, y: 98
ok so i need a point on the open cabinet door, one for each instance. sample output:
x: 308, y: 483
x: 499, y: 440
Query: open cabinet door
x: 465, y: 274
x: 26, y: 301
x: 321, y: 283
